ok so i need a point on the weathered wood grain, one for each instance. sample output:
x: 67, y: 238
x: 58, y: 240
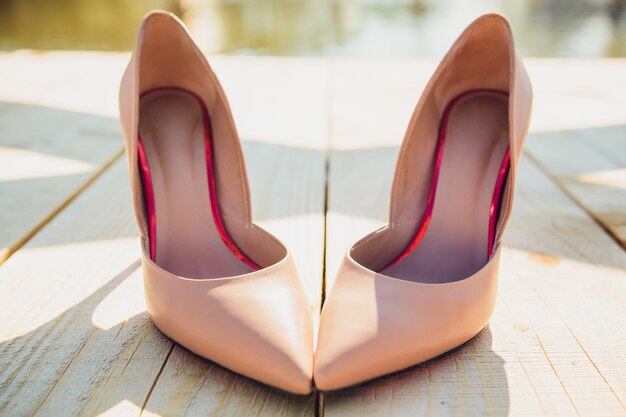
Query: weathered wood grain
x: 55, y: 134
x: 72, y: 300
x: 590, y: 166
x: 579, y: 135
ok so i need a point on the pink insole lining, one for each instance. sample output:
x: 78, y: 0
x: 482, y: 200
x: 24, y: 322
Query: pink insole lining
x: 494, y: 208
x: 149, y: 188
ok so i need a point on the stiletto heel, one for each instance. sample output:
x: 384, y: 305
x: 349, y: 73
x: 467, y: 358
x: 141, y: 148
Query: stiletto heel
x: 215, y: 282
x: 426, y: 283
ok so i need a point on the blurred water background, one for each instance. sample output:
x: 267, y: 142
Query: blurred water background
x: 372, y: 28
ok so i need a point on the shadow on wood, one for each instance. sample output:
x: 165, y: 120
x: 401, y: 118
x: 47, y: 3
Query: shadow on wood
x: 120, y: 366
x: 469, y: 378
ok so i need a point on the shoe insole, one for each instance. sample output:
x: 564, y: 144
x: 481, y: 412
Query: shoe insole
x: 188, y: 241
x: 455, y: 243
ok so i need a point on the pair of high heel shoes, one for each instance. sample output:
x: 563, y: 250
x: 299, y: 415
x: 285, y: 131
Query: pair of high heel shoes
x: 227, y: 290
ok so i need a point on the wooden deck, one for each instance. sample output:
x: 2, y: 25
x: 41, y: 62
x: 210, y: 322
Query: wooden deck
x: 75, y: 338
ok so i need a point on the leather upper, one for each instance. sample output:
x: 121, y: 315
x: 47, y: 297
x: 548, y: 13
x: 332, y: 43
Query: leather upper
x: 256, y: 323
x: 374, y: 324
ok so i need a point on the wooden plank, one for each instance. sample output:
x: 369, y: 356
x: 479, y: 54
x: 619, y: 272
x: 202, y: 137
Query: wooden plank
x: 79, y: 81
x: 590, y: 166
x: 72, y: 300
x: 553, y: 346
x: 370, y: 108
x: 585, y: 151
x: 78, y: 340
x: 575, y: 274
x: 55, y: 134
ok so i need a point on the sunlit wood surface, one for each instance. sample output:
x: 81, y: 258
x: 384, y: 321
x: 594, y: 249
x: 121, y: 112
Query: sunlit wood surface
x: 320, y: 138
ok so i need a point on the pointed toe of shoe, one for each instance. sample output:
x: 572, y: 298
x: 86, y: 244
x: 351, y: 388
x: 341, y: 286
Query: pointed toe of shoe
x: 257, y: 324
x: 373, y: 325
x: 333, y: 370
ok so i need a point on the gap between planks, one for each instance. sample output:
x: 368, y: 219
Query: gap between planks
x: 565, y: 190
x: 32, y: 232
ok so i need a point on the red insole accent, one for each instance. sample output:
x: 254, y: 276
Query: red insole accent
x: 148, y: 195
x: 496, y: 201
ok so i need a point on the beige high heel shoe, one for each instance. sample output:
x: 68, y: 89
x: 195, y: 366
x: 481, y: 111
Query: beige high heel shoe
x: 426, y: 283
x: 215, y: 283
